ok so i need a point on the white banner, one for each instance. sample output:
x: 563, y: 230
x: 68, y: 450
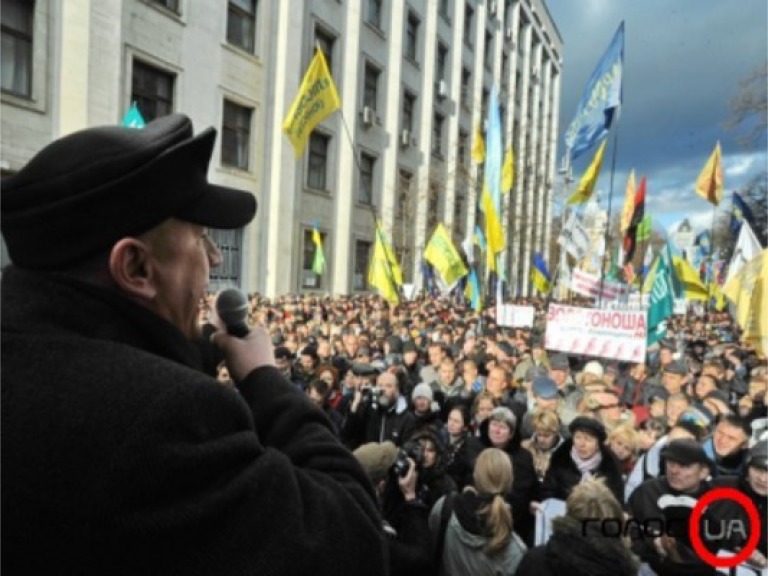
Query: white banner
x: 680, y: 306
x: 517, y: 316
x: 574, y: 238
x: 617, y: 334
x: 589, y: 285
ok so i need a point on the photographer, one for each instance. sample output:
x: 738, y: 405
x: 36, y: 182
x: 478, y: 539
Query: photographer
x: 378, y: 413
x: 394, y: 477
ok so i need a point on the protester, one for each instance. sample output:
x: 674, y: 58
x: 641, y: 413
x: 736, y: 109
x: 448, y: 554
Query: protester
x: 458, y: 464
x: 475, y: 528
x: 545, y: 440
x: 577, y: 546
x: 121, y: 456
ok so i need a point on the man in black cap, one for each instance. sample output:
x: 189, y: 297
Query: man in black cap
x: 667, y: 502
x: 121, y: 455
x: 674, y: 376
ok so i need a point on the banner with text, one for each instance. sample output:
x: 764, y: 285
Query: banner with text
x: 617, y: 334
x: 516, y: 316
x: 589, y: 285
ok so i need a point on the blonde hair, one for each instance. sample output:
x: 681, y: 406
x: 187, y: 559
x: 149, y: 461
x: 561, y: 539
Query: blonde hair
x: 493, y: 477
x: 546, y: 420
x: 593, y: 499
x: 626, y: 433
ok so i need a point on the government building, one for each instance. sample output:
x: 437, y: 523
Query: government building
x: 414, y: 78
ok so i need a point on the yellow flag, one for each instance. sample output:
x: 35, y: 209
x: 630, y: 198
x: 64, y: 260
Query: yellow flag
x: 442, y: 254
x: 589, y: 179
x: 494, y: 234
x: 394, y: 266
x: 629, y: 203
x: 508, y: 171
x: 317, y: 98
x: 693, y: 286
x: 748, y: 291
x: 709, y: 184
x: 380, y: 273
x: 478, y: 147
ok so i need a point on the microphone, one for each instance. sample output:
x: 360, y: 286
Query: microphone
x: 232, y: 308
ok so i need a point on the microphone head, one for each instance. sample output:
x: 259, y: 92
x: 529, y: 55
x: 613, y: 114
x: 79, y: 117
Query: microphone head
x: 232, y: 307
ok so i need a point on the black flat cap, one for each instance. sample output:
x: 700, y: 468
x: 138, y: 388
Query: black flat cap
x: 676, y: 368
x: 364, y: 369
x: 85, y: 191
x: 559, y: 362
x: 686, y: 452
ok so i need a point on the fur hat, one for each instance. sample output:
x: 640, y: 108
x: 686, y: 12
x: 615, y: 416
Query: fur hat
x: 590, y: 426
x: 83, y: 192
x: 376, y: 458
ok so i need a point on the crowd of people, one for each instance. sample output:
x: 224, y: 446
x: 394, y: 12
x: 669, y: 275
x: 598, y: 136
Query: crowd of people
x: 448, y: 389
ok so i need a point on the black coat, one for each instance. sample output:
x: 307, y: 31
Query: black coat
x: 563, y: 474
x: 524, y: 484
x: 572, y: 552
x: 120, y: 456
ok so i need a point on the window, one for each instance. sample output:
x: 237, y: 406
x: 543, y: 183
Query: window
x: 437, y: 134
x: 308, y: 277
x: 16, y: 19
x: 463, y: 146
x: 367, y: 166
x: 468, y: 16
x: 241, y: 24
x: 326, y: 42
x: 362, y: 257
x: 371, y: 87
x: 442, y: 58
x: 172, y: 5
x: 466, y: 89
x: 317, y: 172
x: 411, y: 36
x: 235, y: 135
x: 152, y: 90
x: 409, y: 104
x: 373, y: 15
x: 488, y: 56
x: 402, y: 208
x: 226, y: 274
x: 445, y: 10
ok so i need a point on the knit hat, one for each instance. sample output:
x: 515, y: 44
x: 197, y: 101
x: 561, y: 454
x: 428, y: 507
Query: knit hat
x: 758, y: 455
x: 376, y: 459
x: 594, y: 367
x: 422, y: 391
x: 504, y: 414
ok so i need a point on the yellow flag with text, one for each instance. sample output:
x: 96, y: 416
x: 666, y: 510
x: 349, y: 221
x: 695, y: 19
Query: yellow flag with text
x: 589, y: 179
x: 748, y: 292
x: 442, y: 254
x: 380, y: 273
x: 317, y: 99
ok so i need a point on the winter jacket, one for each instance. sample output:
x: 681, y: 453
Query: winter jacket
x: 120, y: 456
x: 466, y: 536
x: 571, y: 552
x: 433, y: 482
x: 376, y: 423
x: 525, y: 484
x: 563, y: 474
x: 541, y: 458
x: 458, y: 465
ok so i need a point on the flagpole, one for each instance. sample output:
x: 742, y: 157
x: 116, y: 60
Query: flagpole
x: 711, y: 256
x: 608, y: 222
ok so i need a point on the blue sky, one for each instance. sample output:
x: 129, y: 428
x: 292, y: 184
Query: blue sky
x: 683, y: 60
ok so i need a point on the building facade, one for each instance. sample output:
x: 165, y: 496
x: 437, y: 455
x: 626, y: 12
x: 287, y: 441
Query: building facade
x: 414, y: 78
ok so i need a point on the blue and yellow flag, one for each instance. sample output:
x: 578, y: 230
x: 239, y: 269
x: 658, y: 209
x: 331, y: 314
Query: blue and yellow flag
x: 479, y: 238
x: 740, y: 211
x: 589, y: 178
x: 317, y: 99
x: 442, y: 254
x: 472, y: 291
x: 508, y: 171
x: 600, y: 101
x: 395, y: 271
x: 318, y: 263
x: 539, y: 274
x: 491, y: 198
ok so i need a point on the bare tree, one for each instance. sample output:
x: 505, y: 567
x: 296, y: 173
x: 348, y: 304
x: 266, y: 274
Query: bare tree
x: 750, y: 107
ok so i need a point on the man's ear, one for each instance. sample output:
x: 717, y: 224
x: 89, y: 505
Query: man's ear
x: 130, y: 268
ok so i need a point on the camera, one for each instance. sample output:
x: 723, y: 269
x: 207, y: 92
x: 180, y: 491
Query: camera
x: 412, y: 450
x: 370, y: 393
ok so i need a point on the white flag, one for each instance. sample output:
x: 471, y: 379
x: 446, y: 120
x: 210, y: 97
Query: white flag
x: 747, y: 248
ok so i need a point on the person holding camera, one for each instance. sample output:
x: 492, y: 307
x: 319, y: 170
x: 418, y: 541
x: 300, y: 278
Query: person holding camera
x: 395, y: 476
x: 379, y: 413
x: 429, y: 453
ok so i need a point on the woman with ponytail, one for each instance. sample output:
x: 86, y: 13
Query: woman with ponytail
x: 473, y: 530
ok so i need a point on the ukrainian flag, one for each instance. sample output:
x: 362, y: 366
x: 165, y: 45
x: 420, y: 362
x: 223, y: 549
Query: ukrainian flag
x: 539, y: 274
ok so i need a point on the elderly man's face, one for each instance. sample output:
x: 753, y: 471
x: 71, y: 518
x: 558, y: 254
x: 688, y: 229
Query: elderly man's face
x: 686, y: 478
x: 181, y: 256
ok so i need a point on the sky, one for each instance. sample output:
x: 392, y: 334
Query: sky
x: 683, y: 60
